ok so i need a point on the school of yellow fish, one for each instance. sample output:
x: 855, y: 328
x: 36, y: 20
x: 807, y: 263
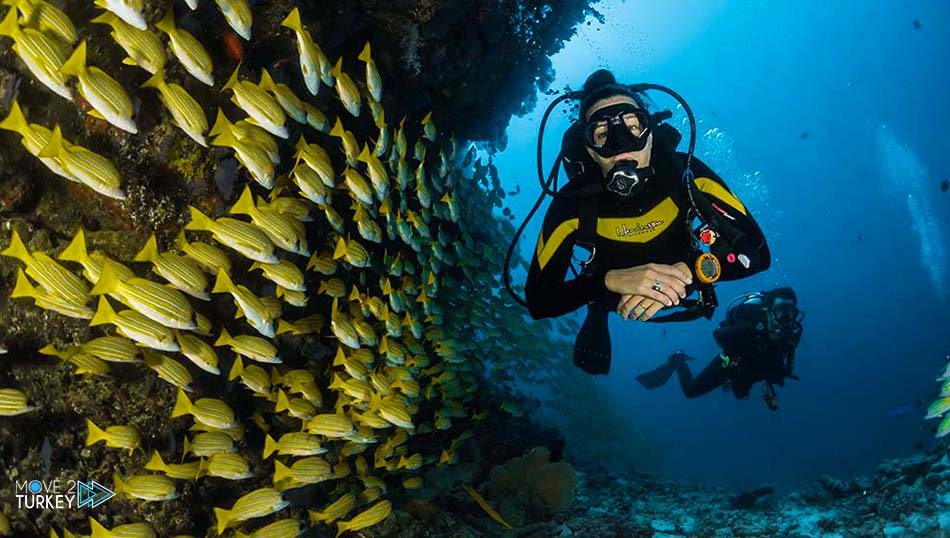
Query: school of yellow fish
x: 371, y: 289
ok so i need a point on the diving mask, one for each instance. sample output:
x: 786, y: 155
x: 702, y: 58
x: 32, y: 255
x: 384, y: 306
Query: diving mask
x: 616, y: 129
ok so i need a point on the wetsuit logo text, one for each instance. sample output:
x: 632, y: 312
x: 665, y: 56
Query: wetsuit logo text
x: 623, y: 231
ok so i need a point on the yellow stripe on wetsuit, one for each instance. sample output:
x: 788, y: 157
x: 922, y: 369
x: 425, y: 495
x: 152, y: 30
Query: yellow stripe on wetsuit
x: 709, y: 186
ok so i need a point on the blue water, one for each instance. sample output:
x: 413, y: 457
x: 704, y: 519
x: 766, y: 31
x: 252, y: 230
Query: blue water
x: 854, y: 215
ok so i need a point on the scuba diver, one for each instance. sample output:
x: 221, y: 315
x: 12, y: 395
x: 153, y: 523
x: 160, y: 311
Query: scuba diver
x: 758, y: 340
x: 630, y: 203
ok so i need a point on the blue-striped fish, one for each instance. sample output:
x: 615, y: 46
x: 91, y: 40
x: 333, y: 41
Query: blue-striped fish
x: 207, y: 444
x: 309, y: 470
x: 129, y: 530
x: 316, y: 118
x: 169, y: 369
x: 249, y: 305
x: 285, y: 232
x: 43, y: 55
x: 367, y: 518
x: 243, y: 237
x: 92, y: 263
x: 209, y: 257
x: 13, y: 402
x: 111, y: 348
x: 294, y: 444
x: 317, y: 159
x: 334, y: 511
x: 181, y: 272
x: 258, y: 104
x: 189, y: 51
x: 199, y: 352
x: 136, y: 326
x: 46, y: 17
x: 252, y: 156
x: 374, y: 82
x: 143, y: 47
x: 346, y: 89
x: 377, y: 173
x: 160, y: 303
x: 180, y: 471
x: 282, y: 528
x: 333, y: 425
x: 48, y: 301
x: 108, y: 98
x: 228, y: 466
x: 252, y: 376
x: 209, y: 411
x: 114, y: 436
x: 186, y: 113
x: 86, y: 167
x: 350, y: 147
x: 85, y: 364
x: 258, y: 503
x: 313, y: 62
x: 252, y: 347
x: 285, y: 274
x: 148, y: 487
x: 128, y: 10
x: 285, y: 96
x: 34, y: 138
x: 238, y: 15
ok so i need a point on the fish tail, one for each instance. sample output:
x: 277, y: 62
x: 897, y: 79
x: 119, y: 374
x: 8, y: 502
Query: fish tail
x: 270, y: 446
x: 203, y: 465
x: 338, y: 68
x: 15, y: 120
x: 199, y: 221
x: 76, y: 64
x: 155, y: 463
x: 108, y: 280
x: 245, y: 203
x: 223, y: 284
x: 225, y: 338
x: 364, y: 154
x: 366, y: 54
x: 54, y: 147
x: 221, y: 124
x: 427, y: 118
x: 106, y: 18
x: 283, y: 403
x: 281, y: 471
x: 156, y: 81
x: 98, y: 531
x: 233, y: 80
x: 275, y: 377
x: 343, y: 527
x: 186, y: 447
x: 167, y: 24
x: 9, y: 26
x: 293, y: 21
x: 23, y: 287
x: 104, y: 314
x: 224, y: 517
x: 76, y: 250
x: 267, y: 83
x: 95, y: 435
x: 119, y: 484
x: 182, y: 407
x: 149, y: 252
x: 337, y: 129
x: 237, y: 369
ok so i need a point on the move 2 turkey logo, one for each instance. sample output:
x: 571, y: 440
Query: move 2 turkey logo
x: 59, y: 494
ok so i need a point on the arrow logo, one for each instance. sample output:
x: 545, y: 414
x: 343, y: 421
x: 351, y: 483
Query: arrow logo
x: 92, y: 494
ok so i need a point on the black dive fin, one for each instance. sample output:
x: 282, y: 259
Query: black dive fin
x: 592, y: 346
x: 657, y: 377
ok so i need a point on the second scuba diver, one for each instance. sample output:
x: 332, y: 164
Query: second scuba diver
x: 758, y: 340
x: 626, y: 204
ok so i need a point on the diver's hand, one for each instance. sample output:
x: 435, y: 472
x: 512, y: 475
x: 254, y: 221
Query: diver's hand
x: 640, y: 280
x: 638, y: 307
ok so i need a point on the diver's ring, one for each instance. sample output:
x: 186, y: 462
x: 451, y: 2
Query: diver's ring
x: 707, y: 268
x: 656, y: 286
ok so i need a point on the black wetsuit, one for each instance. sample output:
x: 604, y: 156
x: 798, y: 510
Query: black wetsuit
x: 749, y: 355
x: 650, y: 228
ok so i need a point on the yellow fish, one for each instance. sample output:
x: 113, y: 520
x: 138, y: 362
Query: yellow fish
x: 107, y: 97
x: 282, y: 528
x: 170, y: 370
x: 252, y: 376
x: 228, y: 466
x: 34, y: 138
x: 285, y: 232
x: 186, y: 113
x: 209, y: 257
x: 316, y: 158
x: 114, y: 436
x: 294, y: 444
x: 43, y: 55
x: 252, y: 156
x: 486, y: 507
x: 249, y: 305
x: 258, y: 503
x: 181, y: 272
x: 350, y: 147
x: 180, y: 471
x: 143, y: 47
x: 369, y: 517
x: 373, y: 81
x: 259, y: 105
x: 189, y: 51
x: 160, y: 303
x: 285, y: 96
x: 313, y: 63
x: 13, y: 402
x: 128, y: 10
x: 148, y: 487
x: 48, y: 18
x: 136, y: 326
x: 309, y: 470
x: 129, y: 530
x: 86, y: 167
x: 111, y: 348
x: 243, y: 237
x: 209, y: 411
x: 331, y: 425
x: 70, y: 307
x: 252, y: 347
x: 346, y: 89
x: 208, y: 444
x: 238, y: 15
x: 335, y: 511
